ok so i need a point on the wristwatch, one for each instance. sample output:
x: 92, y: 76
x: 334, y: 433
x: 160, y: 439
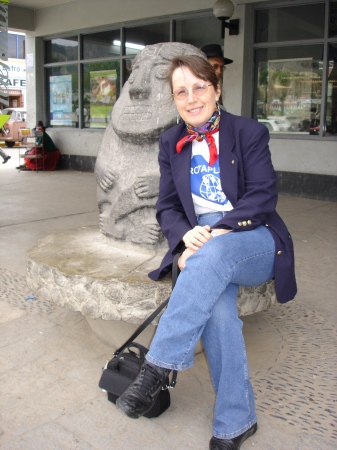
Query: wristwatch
x: 214, y: 233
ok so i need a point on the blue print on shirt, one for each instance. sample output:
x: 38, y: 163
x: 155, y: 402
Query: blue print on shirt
x: 205, y: 181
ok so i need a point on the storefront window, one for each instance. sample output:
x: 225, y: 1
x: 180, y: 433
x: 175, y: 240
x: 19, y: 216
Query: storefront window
x: 63, y: 96
x: 333, y: 19
x: 16, y: 46
x: 331, y: 109
x: 199, y: 31
x: 290, y: 23
x: 101, y: 62
x: 62, y: 50
x: 291, y: 92
x: 101, y: 90
x: 289, y: 88
x: 101, y: 45
x: 136, y: 38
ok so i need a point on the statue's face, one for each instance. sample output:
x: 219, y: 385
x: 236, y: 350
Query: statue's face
x: 145, y: 107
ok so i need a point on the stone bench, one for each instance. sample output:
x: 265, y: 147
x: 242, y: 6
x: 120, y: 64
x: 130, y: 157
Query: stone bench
x: 107, y: 282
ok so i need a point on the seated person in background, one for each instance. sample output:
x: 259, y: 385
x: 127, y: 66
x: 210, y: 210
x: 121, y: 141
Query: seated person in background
x: 50, y: 155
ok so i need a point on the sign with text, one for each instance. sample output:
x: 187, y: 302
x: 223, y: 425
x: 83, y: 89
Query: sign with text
x: 60, y: 100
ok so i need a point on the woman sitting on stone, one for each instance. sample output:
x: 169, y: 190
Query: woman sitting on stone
x: 216, y: 207
x: 48, y: 154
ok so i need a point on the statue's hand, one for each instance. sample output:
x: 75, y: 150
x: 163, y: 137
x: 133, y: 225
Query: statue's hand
x: 148, y: 233
x: 146, y: 186
x: 107, y: 180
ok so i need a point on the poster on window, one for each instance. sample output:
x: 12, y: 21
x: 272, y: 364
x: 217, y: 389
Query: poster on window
x: 294, y: 86
x: 60, y: 100
x: 103, y: 97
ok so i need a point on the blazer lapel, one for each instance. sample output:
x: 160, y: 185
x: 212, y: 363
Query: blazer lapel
x: 228, y: 161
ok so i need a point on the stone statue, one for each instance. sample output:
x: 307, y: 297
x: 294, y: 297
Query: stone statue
x: 127, y: 170
x: 107, y: 278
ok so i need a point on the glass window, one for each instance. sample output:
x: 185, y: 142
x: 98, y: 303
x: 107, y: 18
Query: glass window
x: 101, y: 90
x: 21, y: 47
x: 289, y: 88
x: 127, y: 68
x: 137, y: 37
x: 101, y: 45
x: 333, y: 19
x: 199, y: 31
x: 104, y: 61
x: 290, y: 23
x: 12, y: 46
x: 62, y: 50
x: 331, y: 111
x: 62, y: 83
x: 16, y: 46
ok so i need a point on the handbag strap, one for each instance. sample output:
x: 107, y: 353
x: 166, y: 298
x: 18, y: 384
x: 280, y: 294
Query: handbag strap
x: 142, y: 326
x: 175, y: 273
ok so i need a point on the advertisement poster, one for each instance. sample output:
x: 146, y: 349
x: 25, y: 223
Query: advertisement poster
x: 103, y: 97
x: 60, y: 100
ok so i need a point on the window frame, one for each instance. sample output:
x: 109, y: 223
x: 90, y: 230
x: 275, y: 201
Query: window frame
x: 249, y: 78
x: 171, y: 19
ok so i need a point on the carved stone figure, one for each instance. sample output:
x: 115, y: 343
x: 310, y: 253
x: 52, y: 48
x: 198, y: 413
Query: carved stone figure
x: 106, y: 279
x: 127, y: 168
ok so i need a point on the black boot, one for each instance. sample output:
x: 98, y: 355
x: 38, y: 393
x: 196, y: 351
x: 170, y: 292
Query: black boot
x: 6, y: 159
x: 141, y: 395
x: 232, y: 444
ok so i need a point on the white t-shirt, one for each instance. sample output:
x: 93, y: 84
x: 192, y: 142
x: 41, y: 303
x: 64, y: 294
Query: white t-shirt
x: 207, y: 193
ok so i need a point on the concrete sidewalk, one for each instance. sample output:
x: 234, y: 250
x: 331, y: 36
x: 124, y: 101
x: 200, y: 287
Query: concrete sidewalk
x: 50, y: 362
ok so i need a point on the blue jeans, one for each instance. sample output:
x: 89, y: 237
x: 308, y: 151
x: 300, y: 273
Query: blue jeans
x: 203, y: 304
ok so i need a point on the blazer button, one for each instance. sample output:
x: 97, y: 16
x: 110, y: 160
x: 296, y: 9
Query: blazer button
x: 279, y: 252
x: 233, y: 162
x: 240, y: 224
x: 266, y: 225
x: 249, y: 222
x: 244, y: 223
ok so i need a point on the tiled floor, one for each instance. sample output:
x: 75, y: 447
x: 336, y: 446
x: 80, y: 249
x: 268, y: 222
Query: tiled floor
x: 50, y: 362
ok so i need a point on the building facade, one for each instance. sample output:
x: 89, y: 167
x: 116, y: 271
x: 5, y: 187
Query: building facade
x: 79, y: 54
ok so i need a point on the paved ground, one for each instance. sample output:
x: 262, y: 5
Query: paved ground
x: 50, y: 362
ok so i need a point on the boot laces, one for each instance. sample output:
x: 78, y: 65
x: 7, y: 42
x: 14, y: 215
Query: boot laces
x: 150, y: 379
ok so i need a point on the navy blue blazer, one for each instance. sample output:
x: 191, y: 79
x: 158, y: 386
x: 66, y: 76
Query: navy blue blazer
x: 249, y: 181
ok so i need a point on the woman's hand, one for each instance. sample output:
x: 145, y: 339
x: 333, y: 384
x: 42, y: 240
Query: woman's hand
x: 200, y: 235
x: 197, y: 237
x: 182, y: 260
x: 218, y: 231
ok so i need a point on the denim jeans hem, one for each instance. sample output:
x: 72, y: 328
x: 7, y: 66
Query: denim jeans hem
x: 164, y: 365
x: 236, y: 433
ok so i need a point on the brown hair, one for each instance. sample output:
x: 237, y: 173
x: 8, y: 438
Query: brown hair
x: 40, y: 124
x: 199, y: 66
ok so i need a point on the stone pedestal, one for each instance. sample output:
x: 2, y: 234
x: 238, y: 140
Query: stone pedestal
x: 107, y: 282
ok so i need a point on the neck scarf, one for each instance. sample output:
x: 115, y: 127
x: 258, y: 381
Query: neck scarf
x: 203, y: 132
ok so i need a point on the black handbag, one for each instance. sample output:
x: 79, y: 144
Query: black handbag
x: 120, y: 371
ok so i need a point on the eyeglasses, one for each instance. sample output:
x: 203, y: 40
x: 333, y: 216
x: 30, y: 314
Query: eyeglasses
x: 219, y: 66
x: 198, y: 90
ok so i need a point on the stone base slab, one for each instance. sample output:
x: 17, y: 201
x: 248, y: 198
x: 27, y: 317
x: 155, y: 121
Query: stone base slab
x: 84, y: 271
